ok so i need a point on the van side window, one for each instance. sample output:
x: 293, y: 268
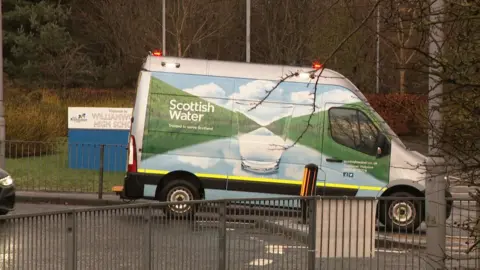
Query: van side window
x: 352, y: 128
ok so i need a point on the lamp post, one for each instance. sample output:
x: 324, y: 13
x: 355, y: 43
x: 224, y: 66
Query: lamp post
x: 164, y: 28
x: 247, y: 34
x: 2, y: 108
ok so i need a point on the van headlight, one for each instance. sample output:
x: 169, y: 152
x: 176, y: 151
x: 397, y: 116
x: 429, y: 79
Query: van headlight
x: 6, y: 181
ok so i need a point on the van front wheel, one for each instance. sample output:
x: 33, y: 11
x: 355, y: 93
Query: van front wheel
x: 401, y: 215
x: 175, y: 192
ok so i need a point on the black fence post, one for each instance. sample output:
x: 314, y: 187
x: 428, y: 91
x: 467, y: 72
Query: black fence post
x: 148, y: 243
x: 312, y: 234
x: 100, y: 171
x: 222, y: 237
x: 71, y: 245
x: 308, y: 188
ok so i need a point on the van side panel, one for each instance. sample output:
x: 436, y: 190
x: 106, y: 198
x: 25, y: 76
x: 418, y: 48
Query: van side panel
x: 205, y: 125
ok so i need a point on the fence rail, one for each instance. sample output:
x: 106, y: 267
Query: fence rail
x: 340, y: 233
x: 62, y: 166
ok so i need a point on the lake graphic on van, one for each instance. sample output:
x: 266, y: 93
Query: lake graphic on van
x: 227, y: 161
x: 261, y: 150
x: 206, y: 125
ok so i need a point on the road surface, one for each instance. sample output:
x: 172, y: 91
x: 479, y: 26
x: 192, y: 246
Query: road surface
x: 30, y: 208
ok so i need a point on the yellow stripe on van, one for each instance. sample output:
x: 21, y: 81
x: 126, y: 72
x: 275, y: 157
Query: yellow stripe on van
x: 268, y: 180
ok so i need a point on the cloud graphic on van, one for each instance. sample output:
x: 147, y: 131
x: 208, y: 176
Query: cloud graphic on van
x: 331, y: 96
x: 210, y: 92
x: 294, y: 103
x: 250, y: 93
x: 338, y: 96
x: 256, y: 90
x: 302, y: 97
x: 281, y: 103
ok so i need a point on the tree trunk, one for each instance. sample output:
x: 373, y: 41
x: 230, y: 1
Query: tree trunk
x: 179, y: 48
x: 402, y: 80
x: 402, y: 70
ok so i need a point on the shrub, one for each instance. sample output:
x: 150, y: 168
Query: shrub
x: 406, y: 114
x: 461, y: 120
x: 41, y: 116
x: 30, y: 119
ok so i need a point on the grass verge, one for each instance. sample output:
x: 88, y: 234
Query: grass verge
x: 51, y: 172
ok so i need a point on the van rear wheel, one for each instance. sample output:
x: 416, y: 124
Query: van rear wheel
x: 401, y: 215
x: 175, y: 192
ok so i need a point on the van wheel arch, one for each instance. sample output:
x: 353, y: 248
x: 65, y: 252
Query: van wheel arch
x: 180, y: 174
x: 382, y: 208
x: 412, y: 190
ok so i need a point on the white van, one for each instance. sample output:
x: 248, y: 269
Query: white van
x: 195, y: 136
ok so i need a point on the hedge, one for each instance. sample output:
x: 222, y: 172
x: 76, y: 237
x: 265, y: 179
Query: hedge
x: 406, y: 114
x: 41, y: 115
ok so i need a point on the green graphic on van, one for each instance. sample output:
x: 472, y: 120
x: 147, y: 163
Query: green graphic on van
x: 313, y: 137
x: 178, y: 119
x: 203, y: 124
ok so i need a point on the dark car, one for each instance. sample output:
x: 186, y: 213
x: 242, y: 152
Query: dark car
x: 7, y: 193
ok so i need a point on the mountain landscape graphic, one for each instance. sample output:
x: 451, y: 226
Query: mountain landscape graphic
x: 163, y: 134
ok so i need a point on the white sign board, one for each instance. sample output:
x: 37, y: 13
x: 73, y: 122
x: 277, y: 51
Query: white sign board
x: 99, y: 118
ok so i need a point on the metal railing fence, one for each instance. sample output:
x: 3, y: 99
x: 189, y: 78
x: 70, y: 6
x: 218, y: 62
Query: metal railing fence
x: 339, y: 233
x: 66, y: 167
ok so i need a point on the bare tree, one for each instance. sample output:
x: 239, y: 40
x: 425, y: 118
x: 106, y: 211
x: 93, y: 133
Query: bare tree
x: 401, y: 19
x: 458, y: 70
x: 356, y: 58
x: 191, y: 22
x: 118, y: 34
x: 317, y: 75
x: 283, y: 30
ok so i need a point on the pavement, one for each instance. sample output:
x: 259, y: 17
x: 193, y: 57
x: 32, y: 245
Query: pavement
x: 71, y: 198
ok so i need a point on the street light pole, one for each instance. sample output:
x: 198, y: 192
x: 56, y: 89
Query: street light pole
x: 377, y: 90
x: 2, y: 108
x: 247, y: 34
x: 164, y: 28
x: 437, y: 38
x: 436, y: 182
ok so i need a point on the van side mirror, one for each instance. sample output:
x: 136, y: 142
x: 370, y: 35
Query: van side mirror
x: 381, y: 142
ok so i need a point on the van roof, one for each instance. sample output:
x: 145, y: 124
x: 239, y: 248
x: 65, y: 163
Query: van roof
x: 244, y: 70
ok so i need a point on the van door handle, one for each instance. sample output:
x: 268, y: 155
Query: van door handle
x: 334, y: 160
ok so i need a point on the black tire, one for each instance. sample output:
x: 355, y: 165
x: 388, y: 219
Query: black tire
x: 401, y: 215
x: 176, y: 191
x: 4, y: 212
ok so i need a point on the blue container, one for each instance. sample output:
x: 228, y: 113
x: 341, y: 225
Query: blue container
x: 84, y: 149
